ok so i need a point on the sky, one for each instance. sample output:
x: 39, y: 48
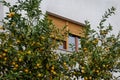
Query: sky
x: 81, y: 10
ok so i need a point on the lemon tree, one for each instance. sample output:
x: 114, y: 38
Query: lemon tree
x: 28, y: 41
x: 27, y: 44
x: 99, y: 53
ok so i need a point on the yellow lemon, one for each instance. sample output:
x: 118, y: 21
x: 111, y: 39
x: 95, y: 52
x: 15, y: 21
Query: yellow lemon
x: 82, y: 68
x: 5, y: 58
x: 1, y: 28
x: 29, y: 52
x: 39, y: 75
x: 54, y: 73
x: 90, y: 78
x: 47, y: 66
x: 11, y: 14
x: 103, y: 65
x: 42, y: 37
x: 106, y: 65
x: 84, y: 49
x: 26, y: 70
x: 83, y: 71
x: 14, y: 68
x: 97, y: 71
x: 20, y: 60
x: 37, y: 64
x: 0, y: 56
x: 95, y: 41
x: 85, y: 78
x: 13, y: 63
x: 18, y: 41
x: 52, y: 67
x: 64, y: 63
x: 4, y: 54
x: 16, y: 65
x: 5, y: 50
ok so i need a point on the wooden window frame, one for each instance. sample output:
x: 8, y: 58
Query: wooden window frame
x: 76, y: 42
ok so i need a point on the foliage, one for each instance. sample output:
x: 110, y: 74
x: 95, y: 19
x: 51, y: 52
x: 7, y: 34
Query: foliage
x: 99, y: 54
x: 28, y: 41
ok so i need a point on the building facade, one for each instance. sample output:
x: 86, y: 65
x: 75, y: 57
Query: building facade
x: 72, y: 41
x: 75, y: 29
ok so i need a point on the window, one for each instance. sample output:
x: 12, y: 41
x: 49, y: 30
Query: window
x: 73, y: 43
x: 61, y: 43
